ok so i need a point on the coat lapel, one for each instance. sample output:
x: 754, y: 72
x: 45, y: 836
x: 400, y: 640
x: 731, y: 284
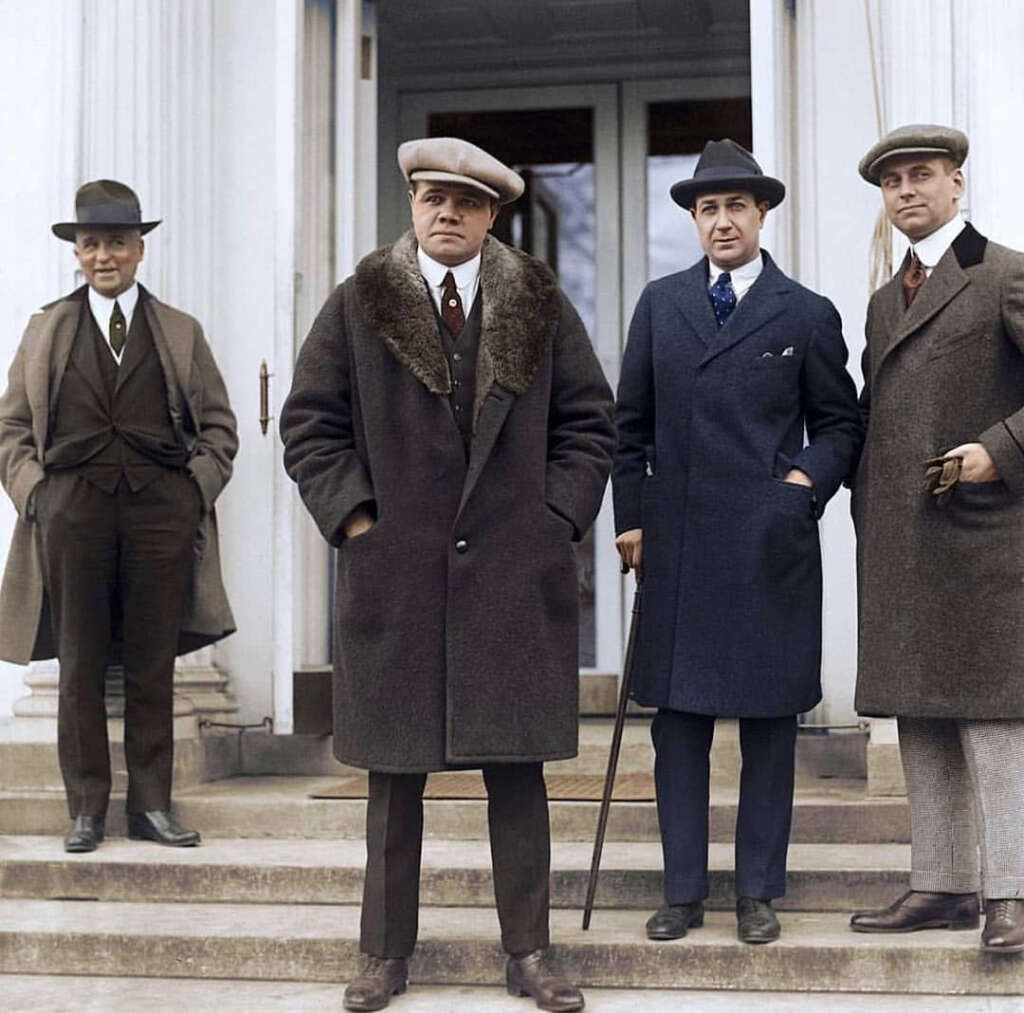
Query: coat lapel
x: 694, y: 304
x: 46, y: 359
x: 765, y: 301
x: 174, y: 341
x: 947, y: 280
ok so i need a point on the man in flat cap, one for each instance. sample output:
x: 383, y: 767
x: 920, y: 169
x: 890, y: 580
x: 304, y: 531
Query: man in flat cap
x: 451, y: 432
x: 939, y: 508
x: 717, y: 499
x: 116, y: 437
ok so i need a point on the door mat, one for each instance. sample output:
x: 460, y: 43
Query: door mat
x: 469, y: 784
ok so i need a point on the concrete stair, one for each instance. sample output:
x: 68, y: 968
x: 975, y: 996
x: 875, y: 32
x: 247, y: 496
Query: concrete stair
x: 459, y: 946
x: 823, y: 877
x: 272, y: 895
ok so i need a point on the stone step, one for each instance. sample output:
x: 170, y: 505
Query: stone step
x: 459, y: 946
x: 822, y: 877
x: 826, y: 811
x: 51, y: 992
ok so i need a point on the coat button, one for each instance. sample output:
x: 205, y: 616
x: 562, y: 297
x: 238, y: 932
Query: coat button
x: 462, y: 546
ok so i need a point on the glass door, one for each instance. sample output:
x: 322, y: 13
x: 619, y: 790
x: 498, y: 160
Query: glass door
x: 564, y: 142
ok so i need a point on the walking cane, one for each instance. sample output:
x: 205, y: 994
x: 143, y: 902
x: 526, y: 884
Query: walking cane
x: 613, y: 756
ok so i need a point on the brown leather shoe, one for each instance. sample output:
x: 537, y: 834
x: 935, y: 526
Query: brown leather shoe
x: 673, y: 921
x: 756, y: 922
x: 1004, y: 926
x: 380, y: 979
x: 530, y: 975
x: 920, y: 909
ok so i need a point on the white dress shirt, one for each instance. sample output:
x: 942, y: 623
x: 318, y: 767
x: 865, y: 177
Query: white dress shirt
x: 102, y: 307
x: 741, y: 277
x: 466, y: 275
x: 931, y: 249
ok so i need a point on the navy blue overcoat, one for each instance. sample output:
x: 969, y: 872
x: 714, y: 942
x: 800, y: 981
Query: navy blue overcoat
x: 710, y: 420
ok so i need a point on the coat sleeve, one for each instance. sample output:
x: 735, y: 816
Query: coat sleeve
x: 634, y: 416
x: 581, y: 428
x: 20, y: 470
x: 317, y: 424
x: 1005, y: 440
x: 832, y: 415
x: 217, y: 440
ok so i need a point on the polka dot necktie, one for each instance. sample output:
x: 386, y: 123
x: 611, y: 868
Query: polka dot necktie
x: 723, y: 298
x: 117, y: 330
x: 451, y: 306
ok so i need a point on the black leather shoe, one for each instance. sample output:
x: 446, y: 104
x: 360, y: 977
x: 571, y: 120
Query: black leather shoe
x: 920, y: 909
x: 380, y: 979
x: 756, y: 921
x: 673, y: 920
x: 530, y: 975
x: 1004, y: 926
x: 86, y: 834
x: 160, y: 826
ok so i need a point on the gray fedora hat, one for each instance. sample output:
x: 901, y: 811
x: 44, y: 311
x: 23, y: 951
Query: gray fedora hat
x: 104, y: 203
x: 931, y: 139
x: 726, y: 165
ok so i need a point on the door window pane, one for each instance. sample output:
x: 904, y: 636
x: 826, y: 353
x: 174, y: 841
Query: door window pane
x: 553, y: 220
x: 676, y: 135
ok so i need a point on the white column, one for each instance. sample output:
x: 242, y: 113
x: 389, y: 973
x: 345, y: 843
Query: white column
x: 128, y: 94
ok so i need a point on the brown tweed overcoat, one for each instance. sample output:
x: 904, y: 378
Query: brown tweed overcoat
x: 202, y: 420
x: 942, y: 588
x: 456, y: 613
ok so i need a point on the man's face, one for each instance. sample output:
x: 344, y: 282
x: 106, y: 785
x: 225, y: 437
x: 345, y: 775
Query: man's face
x: 920, y: 194
x: 729, y: 227
x: 451, y: 220
x: 109, y: 258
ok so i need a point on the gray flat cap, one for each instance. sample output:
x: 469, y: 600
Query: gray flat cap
x: 452, y: 160
x: 914, y: 139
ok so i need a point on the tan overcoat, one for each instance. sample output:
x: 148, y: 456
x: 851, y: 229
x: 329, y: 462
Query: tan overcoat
x: 203, y: 423
x: 942, y: 588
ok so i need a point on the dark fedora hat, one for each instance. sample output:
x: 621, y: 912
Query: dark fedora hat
x: 104, y: 203
x: 726, y: 165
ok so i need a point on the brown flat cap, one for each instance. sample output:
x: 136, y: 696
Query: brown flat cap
x: 104, y: 203
x: 452, y: 160
x: 930, y: 139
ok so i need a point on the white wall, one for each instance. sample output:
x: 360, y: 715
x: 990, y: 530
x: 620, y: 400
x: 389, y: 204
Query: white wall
x: 35, y: 173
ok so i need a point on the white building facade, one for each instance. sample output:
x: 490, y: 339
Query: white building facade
x: 263, y: 133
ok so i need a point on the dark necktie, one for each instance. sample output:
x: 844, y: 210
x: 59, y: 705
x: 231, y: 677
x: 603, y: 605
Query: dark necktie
x: 913, y: 278
x: 117, y: 330
x: 451, y: 306
x: 723, y: 298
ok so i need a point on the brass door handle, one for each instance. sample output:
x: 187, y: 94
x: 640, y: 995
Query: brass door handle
x: 265, y: 415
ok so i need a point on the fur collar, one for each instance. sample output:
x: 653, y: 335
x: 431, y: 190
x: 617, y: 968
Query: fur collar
x: 520, y: 314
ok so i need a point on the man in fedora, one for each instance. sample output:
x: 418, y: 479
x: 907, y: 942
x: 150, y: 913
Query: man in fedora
x: 717, y: 499
x: 942, y: 563
x: 450, y: 430
x: 115, y: 439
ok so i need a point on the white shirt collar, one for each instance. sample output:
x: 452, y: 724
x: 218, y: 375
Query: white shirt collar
x: 932, y: 248
x: 102, y: 306
x: 742, y: 277
x: 466, y: 275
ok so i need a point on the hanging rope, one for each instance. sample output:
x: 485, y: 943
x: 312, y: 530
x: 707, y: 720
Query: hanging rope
x: 880, y: 255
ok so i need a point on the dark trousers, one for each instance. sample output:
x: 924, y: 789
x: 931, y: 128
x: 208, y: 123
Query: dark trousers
x: 517, y: 816
x: 126, y: 554
x: 682, y: 744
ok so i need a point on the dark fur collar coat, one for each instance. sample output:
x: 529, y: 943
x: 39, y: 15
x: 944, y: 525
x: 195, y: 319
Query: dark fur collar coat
x: 456, y: 614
